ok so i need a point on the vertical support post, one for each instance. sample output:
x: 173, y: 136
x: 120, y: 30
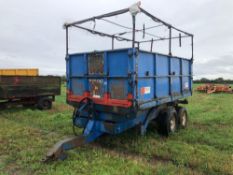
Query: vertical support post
x: 67, y: 41
x: 170, y: 76
x: 192, y: 46
x: 191, y: 72
x: 169, y: 61
x: 180, y: 40
x: 112, y: 42
x: 134, y: 25
x: 170, y: 40
x: 151, y: 46
x: 155, y: 77
x: 181, y: 77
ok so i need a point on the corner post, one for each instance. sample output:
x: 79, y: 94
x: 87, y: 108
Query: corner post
x: 170, y: 40
x: 67, y: 40
x: 151, y: 46
x: 112, y: 42
x: 192, y: 46
x: 134, y: 25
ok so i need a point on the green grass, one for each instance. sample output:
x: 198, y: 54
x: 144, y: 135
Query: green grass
x: 205, y: 147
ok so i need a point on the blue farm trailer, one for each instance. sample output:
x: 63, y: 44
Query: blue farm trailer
x: 115, y: 90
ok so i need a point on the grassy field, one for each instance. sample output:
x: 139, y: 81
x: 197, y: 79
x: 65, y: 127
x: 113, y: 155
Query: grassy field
x: 205, y: 147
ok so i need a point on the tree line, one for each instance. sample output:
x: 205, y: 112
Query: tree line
x: 219, y: 80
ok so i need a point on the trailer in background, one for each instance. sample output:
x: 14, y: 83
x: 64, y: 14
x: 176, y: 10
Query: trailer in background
x: 39, y: 91
x: 19, y: 72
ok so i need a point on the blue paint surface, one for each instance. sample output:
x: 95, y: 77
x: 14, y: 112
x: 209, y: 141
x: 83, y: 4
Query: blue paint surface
x: 148, y: 76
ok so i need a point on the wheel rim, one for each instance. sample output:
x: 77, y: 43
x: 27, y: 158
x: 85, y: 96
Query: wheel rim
x: 173, y: 124
x: 183, y: 119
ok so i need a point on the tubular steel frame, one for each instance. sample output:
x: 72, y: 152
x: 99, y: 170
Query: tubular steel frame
x: 182, y: 33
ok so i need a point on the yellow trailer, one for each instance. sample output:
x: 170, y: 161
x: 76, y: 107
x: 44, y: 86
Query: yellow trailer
x: 19, y: 72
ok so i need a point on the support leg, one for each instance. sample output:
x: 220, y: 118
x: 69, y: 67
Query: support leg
x: 143, y: 127
x: 151, y: 116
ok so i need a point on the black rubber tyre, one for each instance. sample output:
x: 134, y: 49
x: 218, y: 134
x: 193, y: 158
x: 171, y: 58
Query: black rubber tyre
x: 44, y: 103
x: 182, y: 116
x: 168, y: 121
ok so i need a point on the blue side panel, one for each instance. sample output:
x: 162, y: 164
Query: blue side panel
x: 187, y: 81
x: 162, y: 80
x: 175, y: 66
x: 119, y: 67
x: 118, y: 63
x: 167, y: 77
x: 186, y: 85
x: 78, y: 86
x: 175, y: 80
x: 145, y: 76
x: 162, y: 65
x: 185, y: 67
x: 162, y: 87
x: 146, y: 89
x: 77, y: 68
x: 145, y: 65
x: 78, y: 65
x: 176, y: 89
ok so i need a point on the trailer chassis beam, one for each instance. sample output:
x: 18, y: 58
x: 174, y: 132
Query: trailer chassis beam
x: 57, y: 152
x: 92, y: 130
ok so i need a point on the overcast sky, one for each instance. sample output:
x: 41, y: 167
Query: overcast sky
x: 31, y: 33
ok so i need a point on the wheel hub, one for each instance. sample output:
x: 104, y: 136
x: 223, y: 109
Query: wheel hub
x: 173, y: 124
x: 183, y: 120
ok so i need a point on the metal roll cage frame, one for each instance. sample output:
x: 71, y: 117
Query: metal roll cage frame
x: 182, y: 34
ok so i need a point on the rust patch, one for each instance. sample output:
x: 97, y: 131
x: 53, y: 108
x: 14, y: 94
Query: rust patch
x: 95, y: 63
x: 96, y: 88
x: 117, y: 90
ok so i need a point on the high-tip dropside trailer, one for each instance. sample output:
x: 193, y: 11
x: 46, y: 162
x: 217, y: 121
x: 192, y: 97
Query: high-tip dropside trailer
x: 115, y: 90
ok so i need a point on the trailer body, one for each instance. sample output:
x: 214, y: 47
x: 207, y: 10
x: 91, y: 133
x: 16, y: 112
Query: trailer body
x: 113, y: 91
x: 128, y: 78
x: 119, y: 89
x: 29, y: 90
